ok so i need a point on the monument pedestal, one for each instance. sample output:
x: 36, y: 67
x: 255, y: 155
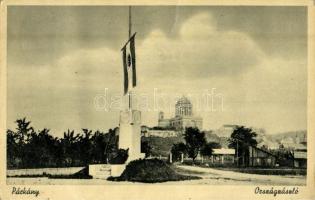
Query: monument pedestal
x: 130, y: 133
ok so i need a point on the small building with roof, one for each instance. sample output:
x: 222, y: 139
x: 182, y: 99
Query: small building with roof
x: 261, y: 157
x: 223, y: 156
x: 300, y: 156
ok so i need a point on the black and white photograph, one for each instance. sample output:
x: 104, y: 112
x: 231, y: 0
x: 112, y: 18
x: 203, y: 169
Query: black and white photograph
x: 157, y: 95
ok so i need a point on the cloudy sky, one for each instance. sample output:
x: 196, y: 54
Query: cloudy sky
x: 61, y: 58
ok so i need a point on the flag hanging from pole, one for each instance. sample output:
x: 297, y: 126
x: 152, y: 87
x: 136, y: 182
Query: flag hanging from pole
x: 129, y: 64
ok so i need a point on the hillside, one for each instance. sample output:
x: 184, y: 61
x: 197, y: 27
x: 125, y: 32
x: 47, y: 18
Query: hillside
x: 161, y: 146
x: 212, y: 137
x: 301, y: 135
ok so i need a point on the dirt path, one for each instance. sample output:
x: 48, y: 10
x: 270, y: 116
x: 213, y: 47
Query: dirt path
x: 209, y: 176
x: 230, y: 177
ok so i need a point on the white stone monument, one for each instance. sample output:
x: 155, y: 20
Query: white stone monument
x: 130, y: 133
x: 130, y: 119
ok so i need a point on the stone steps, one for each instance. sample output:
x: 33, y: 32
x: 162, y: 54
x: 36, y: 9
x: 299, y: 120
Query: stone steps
x: 100, y: 171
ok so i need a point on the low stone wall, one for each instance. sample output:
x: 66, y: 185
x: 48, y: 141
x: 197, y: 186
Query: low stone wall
x: 103, y: 171
x: 41, y: 171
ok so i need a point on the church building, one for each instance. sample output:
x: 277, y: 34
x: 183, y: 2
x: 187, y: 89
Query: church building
x: 183, y: 117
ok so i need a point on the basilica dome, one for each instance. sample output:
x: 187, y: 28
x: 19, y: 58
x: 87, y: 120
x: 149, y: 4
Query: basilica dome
x: 183, y: 107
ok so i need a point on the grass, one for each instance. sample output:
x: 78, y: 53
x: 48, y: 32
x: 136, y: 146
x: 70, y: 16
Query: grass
x: 150, y: 171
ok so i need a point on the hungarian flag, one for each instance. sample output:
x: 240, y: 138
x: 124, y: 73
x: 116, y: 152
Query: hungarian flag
x: 129, y: 61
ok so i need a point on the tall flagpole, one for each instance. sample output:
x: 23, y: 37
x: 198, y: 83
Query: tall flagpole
x: 130, y: 118
x: 129, y: 92
x: 129, y: 22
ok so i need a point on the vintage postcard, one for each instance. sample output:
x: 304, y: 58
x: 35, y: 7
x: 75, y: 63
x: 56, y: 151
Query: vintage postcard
x: 141, y: 100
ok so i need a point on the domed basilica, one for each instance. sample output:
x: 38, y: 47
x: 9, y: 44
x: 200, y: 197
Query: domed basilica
x: 183, y: 116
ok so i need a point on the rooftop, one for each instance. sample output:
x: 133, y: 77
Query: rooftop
x: 300, y: 155
x: 224, y: 151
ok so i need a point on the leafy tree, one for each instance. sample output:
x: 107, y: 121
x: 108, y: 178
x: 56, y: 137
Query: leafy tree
x: 98, y: 142
x: 24, y: 130
x: 40, y: 151
x: 118, y: 157
x: 22, y: 137
x: 69, y: 146
x: 27, y: 148
x: 241, y: 138
x: 111, y: 142
x: 146, y: 148
x: 195, y: 140
x: 12, y: 150
x: 86, y: 146
x: 207, y: 149
x: 285, y: 157
x: 177, y: 151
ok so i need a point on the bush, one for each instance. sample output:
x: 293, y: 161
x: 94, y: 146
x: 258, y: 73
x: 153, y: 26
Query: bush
x: 118, y: 157
x: 150, y: 171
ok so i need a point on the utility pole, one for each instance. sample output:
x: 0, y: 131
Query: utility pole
x: 129, y: 22
x: 171, y: 157
x: 237, y: 158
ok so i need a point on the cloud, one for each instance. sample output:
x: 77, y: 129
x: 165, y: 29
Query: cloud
x: 258, y: 89
x: 200, y: 51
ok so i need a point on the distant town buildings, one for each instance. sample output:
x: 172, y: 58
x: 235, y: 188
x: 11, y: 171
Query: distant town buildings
x: 267, y: 144
x: 267, y: 153
x: 287, y: 142
x: 183, y: 117
x: 298, y: 146
x: 293, y: 142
